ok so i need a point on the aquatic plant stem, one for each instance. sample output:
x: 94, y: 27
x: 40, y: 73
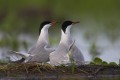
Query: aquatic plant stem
x: 26, y: 68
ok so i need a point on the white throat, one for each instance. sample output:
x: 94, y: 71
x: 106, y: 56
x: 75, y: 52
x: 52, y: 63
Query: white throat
x: 43, y: 37
x: 66, y: 36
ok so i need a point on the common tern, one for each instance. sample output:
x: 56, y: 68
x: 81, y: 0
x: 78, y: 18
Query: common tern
x: 40, y: 52
x: 66, y: 50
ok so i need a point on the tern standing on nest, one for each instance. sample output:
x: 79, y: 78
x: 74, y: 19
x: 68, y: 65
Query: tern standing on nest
x: 40, y: 52
x: 67, y: 50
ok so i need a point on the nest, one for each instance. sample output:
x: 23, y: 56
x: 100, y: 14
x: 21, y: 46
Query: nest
x: 46, y: 69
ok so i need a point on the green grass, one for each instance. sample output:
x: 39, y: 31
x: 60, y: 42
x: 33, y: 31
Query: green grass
x: 98, y: 61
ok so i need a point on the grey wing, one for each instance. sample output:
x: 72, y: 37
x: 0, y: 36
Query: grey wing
x: 24, y: 55
x: 39, y: 54
x: 31, y: 49
x: 37, y: 48
x: 48, y: 49
x: 39, y: 58
x: 77, y: 55
x: 59, y: 56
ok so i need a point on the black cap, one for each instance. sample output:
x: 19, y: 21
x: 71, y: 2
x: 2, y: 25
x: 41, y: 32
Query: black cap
x: 43, y: 24
x: 65, y: 25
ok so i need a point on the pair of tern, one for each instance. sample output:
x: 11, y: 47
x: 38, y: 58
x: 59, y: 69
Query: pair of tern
x: 42, y: 52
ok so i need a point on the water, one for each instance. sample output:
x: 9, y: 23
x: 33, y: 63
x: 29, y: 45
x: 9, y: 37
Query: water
x: 110, y: 52
x: 64, y: 77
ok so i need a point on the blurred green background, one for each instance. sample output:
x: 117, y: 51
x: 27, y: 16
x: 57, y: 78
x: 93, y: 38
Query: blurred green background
x: 23, y: 17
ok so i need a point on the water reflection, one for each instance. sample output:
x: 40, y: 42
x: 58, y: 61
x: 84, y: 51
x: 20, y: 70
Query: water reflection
x: 66, y: 77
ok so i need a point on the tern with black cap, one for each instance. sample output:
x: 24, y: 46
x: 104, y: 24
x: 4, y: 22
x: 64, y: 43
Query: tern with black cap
x: 40, y: 52
x: 61, y: 54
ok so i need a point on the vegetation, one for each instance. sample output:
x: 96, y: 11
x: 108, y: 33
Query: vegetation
x: 32, y: 69
x: 98, y: 61
x: 24, y: 17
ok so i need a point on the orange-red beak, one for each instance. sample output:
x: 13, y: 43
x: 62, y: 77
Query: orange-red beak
x: 76, y: 22
x: 53, y: 23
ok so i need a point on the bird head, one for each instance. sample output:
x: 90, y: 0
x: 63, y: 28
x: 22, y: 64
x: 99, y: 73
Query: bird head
x: 67, y: 25
x: 46, y: 25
